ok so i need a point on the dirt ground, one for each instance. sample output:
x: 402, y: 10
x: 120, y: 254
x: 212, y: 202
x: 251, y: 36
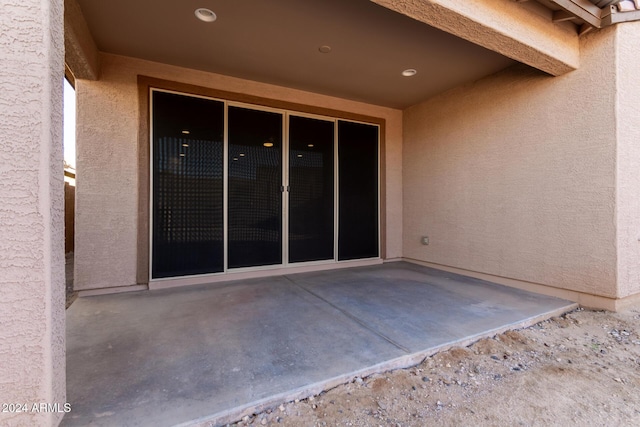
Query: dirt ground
x: 581, y: 369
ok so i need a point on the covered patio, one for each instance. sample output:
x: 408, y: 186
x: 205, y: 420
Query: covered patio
x: 505, y: 151
x: 213, y: 353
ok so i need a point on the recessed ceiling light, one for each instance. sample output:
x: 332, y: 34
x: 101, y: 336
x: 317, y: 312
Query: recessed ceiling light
x: 181, y: 154
x: 185, y: 145
x: 268, y: 144
x: 241, y: 154
x: 325, y: 49
x: 206, y: 15
x: 310, y: 145
x: 186, y: 132
x: 409, y: 72
x: 235, y: 159
x: 299, y: 155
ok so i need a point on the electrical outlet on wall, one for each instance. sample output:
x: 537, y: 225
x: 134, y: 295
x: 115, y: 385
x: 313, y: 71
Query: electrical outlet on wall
x: 425, y: 240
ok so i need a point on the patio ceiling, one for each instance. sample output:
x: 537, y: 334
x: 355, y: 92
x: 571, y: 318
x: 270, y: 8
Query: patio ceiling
x: 278, y: 42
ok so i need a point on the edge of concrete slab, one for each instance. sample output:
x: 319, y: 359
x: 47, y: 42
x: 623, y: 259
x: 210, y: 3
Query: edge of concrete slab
x: 402, y: 362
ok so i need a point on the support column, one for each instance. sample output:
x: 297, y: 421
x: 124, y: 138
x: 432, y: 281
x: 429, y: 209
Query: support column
x: 628, y: 157
x: 32, y: 336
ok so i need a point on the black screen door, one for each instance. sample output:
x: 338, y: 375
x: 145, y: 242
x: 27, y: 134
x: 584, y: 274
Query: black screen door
x: 255, y: 188
x: 358, y: 191
x: 311, y: 189
x: 187, y: 230
x: 189, y: 201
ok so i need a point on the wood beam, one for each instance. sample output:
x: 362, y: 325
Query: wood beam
x: 584, y: 29
x: 616, y: 18
x: 562, y: 15
x: 583, y: 9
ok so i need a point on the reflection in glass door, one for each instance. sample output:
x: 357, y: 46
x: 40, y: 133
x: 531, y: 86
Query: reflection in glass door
x: 311, y: 189
x: 254, y: 188
x: 188, y: 154
x: 358, y: 190
x: 220, y: 204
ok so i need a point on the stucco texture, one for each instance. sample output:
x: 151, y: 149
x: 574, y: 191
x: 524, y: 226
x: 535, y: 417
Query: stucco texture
x: 107, y: 162
x: 518, y: 30
x: 32, y: 367
x: 81, y: 53
x: 514, y: 175
x: 628, y: 157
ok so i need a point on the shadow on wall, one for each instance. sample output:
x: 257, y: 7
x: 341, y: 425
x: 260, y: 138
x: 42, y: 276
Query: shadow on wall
x: 69, y: 215
x: 69, y: 233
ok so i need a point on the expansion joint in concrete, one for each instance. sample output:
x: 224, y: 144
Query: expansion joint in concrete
x: 350, y: 316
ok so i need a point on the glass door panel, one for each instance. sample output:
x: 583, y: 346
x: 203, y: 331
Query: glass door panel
x: 254, y: 188
x: 311, y: 189
x: 358, y: 191
x: 187, y: 232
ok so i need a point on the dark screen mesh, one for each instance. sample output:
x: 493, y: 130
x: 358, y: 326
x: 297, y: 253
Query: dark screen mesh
x: 358, y: 191
x: 187, y: 185
x: 311, y: 207
x: 188, y: 168
x: 255, y: 195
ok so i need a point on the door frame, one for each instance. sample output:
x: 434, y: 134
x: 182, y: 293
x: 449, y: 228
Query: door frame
x: 147, y: 84
x: 333, y: 120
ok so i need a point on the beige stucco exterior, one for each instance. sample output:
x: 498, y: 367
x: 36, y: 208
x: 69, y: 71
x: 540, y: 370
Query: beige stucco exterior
x: 108, y: 190
x: 520, y: 178
x: 628, y: 157
x: 81, y: 53
x: 32, y: 337
x: 519, y: 30
x: 529, y: 180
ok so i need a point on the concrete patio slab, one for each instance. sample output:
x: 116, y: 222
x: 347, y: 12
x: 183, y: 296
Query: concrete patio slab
x: 214, y: 353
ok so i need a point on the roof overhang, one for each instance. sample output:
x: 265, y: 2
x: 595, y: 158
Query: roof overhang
x: 520, y: 31
x: 374, y: 40
x: 591, y: 14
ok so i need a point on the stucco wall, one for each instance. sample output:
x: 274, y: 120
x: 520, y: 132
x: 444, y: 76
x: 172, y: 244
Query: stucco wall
x: 519, y: 30
x: 32, y: 364
x: 628, y: 171
x: 107, y: 183
x: 514, y: 175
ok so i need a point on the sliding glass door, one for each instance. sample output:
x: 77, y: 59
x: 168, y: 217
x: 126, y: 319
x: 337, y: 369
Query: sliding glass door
x: 187, y: 221
x: 238, y: 187
x: 311, y: 189
x: 358, y: 191
x: 255, y: 188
